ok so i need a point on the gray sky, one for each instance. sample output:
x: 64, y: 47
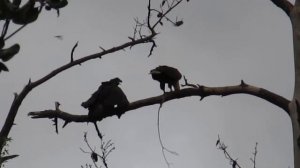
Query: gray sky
x: 220, y: 43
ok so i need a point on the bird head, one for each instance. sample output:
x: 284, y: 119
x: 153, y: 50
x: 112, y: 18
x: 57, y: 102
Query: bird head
x: 116, y: 81
x: 154, y: 72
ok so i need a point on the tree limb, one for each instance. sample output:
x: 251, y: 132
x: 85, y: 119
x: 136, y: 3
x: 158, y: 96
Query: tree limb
x: 149, y: 38
x: 201, y: 91
x: 285, y: 5
x: 31, y: 85
x: 9, y: 121
x: 6, y: 158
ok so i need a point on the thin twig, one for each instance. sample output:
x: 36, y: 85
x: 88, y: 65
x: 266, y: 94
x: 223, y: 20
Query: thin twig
x: 72, y: 52
x: 254, y: 155
x: 98, y: 131
x: 163, y: 148
x: 221, y: 146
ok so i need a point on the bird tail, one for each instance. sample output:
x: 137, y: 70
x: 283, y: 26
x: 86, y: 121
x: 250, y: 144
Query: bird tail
x: 177, y: 86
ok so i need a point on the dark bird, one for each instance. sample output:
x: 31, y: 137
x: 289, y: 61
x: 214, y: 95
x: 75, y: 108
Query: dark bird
x: 166, y: 75
x: 108, y: 97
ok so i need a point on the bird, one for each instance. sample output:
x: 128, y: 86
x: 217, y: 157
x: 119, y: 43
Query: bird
x: 166, y: 75
x: 108, y: 97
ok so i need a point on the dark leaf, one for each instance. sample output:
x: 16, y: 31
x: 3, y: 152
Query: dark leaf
x: 3, y: 67
x: 217, y: 143
x: 26, y: 14
x: 179, y: 23
x: 59, y: 37
x: 57, y: 4
x: 94, y: 157
x: 2, y: 43
x: 234, y: 164
x: 8, y: 53
x: 159, y: 14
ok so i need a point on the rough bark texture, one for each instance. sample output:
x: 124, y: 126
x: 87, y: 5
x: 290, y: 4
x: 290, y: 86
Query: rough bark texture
x: 293, y: 11
x: 294, y: 107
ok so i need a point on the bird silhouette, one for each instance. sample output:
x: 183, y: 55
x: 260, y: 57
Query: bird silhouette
x: 108, y: 97
x: 167, y: 75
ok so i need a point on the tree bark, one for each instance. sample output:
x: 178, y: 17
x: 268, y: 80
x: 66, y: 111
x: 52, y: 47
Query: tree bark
x: 294, y: 106
x: 196, y: 90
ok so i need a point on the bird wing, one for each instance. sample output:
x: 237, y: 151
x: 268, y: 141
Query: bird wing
x: 170, y: 72
x: 98, y: 96
x: 116, y: 97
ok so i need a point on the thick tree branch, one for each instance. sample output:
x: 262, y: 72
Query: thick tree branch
x: 31, y: 85
x: 6, y: 158
x: 201, y: 91
x: 285, y: 5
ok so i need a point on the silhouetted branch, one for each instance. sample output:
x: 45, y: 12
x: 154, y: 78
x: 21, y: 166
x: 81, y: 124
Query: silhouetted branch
x: 6, y: 158
x: 105, y: 147
x: 285, y: 5
x: 201, y: 91
x: 151, y: 27
x: 23, y: 26
x: 170, y: 8
x: 163, y: 148
x: 98, y: 131
x: 72, y: 52
x: 254, y: 155
x: 31, y: 85
x: 221, y: 146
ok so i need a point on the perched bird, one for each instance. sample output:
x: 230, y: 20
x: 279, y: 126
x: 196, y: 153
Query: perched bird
x: 166, y: 75
x: 109, y: 96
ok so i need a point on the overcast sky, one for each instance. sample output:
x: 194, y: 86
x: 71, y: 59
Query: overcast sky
x: 220, y: 43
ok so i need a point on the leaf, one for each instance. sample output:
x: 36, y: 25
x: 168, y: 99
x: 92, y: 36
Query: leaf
x: 94, y: 156
x: 3, y: 67
x: 178, y: 23
x: 159, y: 15
x: 8, y: 53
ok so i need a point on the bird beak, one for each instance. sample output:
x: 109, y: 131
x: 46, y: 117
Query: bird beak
x: 154, y: 72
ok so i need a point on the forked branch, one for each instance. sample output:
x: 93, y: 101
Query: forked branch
x: 285, y: 5
x: 148, y: 38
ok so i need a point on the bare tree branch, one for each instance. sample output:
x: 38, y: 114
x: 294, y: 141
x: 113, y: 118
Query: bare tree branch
x: 72, y: 52
x: 6, y: 158
x: 31, y: 85
x: 201, y: 91
x: 105, y: 147
x: 221, y: 146
x: 253, y: 160
x: 285, y: 5
x: 163, y: 147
